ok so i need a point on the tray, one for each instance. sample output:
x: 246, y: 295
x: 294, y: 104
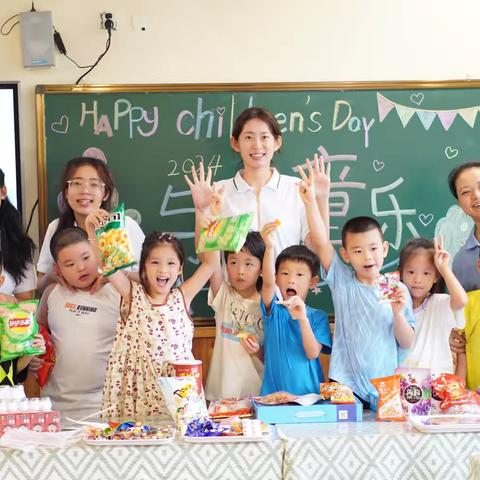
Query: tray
x: 158, y: 441
x: 228, y: 439
x: 446, y: 423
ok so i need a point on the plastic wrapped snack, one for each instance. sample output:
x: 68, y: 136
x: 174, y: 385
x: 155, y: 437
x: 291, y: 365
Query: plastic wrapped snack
x: 276, y: 398
x: 389, y: 402
x: 19, y: 327
x: 454, y: 396
x: 387, y: 284
x: 182, y: 400
x: 226, y: 234
x: 336, y: 392
x: 230, y: 407
x: 415, y: 390
x: 48, y: 358
x: 114, y: 244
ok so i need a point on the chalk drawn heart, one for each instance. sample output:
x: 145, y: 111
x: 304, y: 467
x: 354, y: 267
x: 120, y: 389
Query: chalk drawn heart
x: 221, y: 111
x: 425, y: 220
x: 378, y: 165
x: 61, y: 126
x: 451, y: 152
x: 417, y: 98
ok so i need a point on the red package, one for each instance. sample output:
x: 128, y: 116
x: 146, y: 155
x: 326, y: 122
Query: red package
x: 48, y: 357
x: 455, y: 397
x: 230, y: 407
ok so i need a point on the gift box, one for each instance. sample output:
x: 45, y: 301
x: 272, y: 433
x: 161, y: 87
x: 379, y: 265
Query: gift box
x: 321, y: 412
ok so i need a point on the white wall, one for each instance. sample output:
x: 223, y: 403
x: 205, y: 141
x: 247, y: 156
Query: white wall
x: 246, y: 41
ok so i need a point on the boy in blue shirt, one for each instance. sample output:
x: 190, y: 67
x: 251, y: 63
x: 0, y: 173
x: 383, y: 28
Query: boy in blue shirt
x: 370, y: 335
x: 294, y: 334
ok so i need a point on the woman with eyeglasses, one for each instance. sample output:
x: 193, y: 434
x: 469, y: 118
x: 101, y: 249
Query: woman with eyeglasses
x: 87, y: 185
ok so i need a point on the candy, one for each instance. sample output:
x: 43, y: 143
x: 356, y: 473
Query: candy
x: 454, y: 396
x: 388, y: 284
x: 204, y: 427
x: 389, y: 403
x: 129, y: 431
x: 226, y: 234
x: 19, y: 327
x: 114, y: 244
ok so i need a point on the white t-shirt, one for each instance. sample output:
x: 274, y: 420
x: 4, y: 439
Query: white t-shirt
x: 435, y: 320
x: 233, y: 372
x: 27, y: 283
x: 82, y: 328
x: 279, y: 199
x: 135, y: 233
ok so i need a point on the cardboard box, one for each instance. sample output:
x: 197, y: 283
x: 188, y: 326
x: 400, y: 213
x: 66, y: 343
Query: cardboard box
x: 321, y: 412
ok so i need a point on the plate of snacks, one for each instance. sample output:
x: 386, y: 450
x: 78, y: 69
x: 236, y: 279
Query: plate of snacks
x: 129, y: 433
x: 446, y: 423
x: 231, y: 430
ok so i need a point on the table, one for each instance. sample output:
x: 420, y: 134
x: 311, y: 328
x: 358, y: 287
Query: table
x: 374, y: 451
x: 474, y: 467
x: 177, y: 461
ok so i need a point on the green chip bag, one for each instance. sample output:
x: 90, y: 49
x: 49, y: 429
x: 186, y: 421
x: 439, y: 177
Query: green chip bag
x: 18, y: 327
x: 226, y: 234
x: 114, y: 244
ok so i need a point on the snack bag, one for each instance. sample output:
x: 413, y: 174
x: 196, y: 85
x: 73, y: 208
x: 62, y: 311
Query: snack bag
x: 337, y: 393
x: 415, y: 390
x: 230, y: 407
x: 182, y: 400
x: 389, y: 402
x: 455, y: 398
x: 226, y: 234
x: 48, y: 357
x: 19, y: 327
x: 387, y: 284
x: 114, y: 244
x: 276, y: 398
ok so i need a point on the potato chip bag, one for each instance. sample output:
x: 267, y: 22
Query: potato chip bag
x: 182, y: 400
x: 114, y: 244
x: 389, y: 401
x: 227, y: 234
x: 19, y: 327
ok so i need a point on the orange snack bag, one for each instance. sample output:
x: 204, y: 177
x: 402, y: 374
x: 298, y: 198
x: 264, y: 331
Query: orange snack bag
x: 389, y: 401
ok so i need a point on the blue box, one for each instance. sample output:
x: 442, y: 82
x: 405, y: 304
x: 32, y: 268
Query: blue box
x: 321, y: 412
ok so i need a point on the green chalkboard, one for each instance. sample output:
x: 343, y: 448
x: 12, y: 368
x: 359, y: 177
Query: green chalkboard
x: 391, y: 146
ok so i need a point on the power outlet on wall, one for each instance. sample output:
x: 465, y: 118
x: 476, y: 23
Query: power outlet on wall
x: 107, y: 21
x: 142, y: 23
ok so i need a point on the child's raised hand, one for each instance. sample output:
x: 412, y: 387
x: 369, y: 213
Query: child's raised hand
x: 321, y: 176
x: 295, y: 306
x: 441, y: 257
x: 306, y: 186
x: 200, y: 186
x: 216, y: 202
x: 267, y: 233
x: 97, y: 218
x: 399, y: 300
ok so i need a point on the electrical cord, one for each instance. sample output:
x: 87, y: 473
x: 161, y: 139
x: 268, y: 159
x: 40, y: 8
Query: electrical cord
x: 107, y: 46
x: 35, y: 205
x: 12, y: 27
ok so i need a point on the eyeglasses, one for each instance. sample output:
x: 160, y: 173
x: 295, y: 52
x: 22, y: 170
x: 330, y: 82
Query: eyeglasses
x: 79, y: 185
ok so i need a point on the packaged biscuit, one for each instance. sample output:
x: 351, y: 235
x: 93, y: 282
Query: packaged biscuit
x: 227, y: 234
x: 114, y: 244
x: 19, y: 327
x: 389, y: 401
x: 336, y: 392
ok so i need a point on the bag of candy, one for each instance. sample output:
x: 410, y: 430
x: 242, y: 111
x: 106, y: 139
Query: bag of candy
x: 389, y: 402
x: 114, y: 244
x: 182, y: 400
x: 387, y: 284
x: 227, y: 234
x: 415, y: 390
x: 48, y: 358
x: 19, y: 327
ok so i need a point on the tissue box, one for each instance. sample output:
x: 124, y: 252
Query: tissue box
x: 37, y: 421
x: 320, y: 412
